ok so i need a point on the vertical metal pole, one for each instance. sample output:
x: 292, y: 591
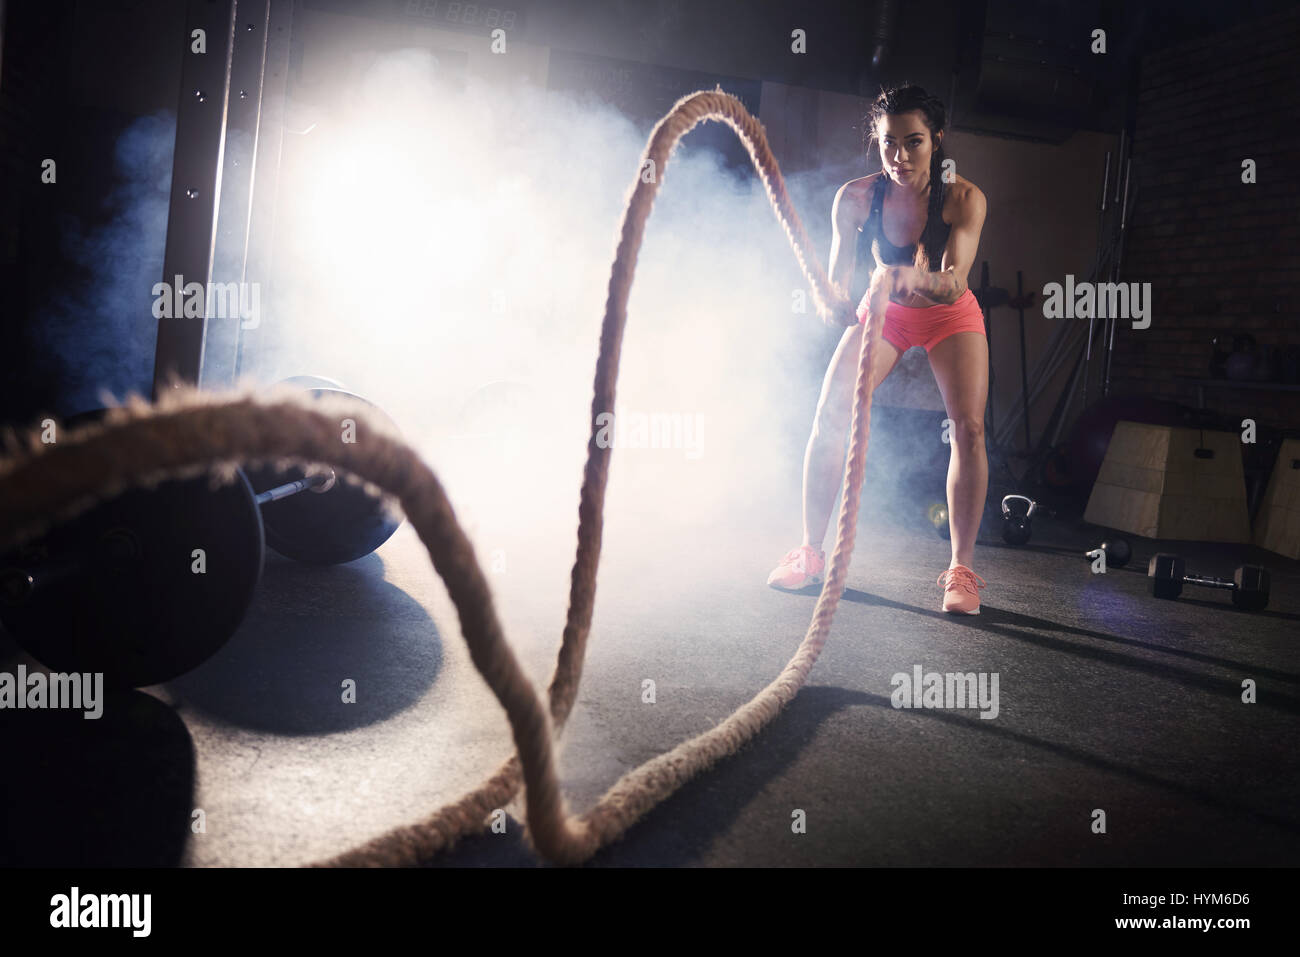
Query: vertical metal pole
x: 196, y: 189
x: 228, y: 138
x: 1119, y: 160
x: 988, y: 336
x: 1119, y: 254
x: 1062, y: 407
x: 270, y: 142
x: 1101, y: 230
x: 243, y: 112
x: 1105, y: 180
x: 1100, y: 244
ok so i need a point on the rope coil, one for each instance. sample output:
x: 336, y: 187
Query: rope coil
x: 186, y: 432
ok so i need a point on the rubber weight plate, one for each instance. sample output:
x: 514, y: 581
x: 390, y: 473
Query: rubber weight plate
x: 143, y: 588
x: 339, y: 525
x: 311, y: 382
x: 1166, y: 573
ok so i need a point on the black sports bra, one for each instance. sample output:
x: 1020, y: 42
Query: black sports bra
x: 871, y: 238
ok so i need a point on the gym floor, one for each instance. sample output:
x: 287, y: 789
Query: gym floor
x: 1109, y: 699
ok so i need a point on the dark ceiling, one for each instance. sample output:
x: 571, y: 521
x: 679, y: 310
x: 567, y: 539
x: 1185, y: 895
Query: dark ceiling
x: 1020, y: 68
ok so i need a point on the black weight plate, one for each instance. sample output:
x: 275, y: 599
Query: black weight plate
x: 1166, y: 574
x: 324, y: 528
x: 1252, y: 587
x: 1250, y: 601
x: 116, y: 591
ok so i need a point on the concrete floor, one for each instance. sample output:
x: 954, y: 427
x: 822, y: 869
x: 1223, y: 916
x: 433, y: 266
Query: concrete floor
x: 1109, y: 699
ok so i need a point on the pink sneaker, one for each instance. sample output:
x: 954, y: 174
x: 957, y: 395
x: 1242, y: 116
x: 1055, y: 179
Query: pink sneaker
x: 801, y: 567
x: 961, y: 590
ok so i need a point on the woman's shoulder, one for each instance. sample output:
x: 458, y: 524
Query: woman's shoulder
x: 962, y: 191
x: 858, y: 193
x: 962, y: 194
x: 861, y: 187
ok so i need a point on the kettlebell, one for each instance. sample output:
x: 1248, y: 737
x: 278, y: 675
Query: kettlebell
x: 1017, y: 527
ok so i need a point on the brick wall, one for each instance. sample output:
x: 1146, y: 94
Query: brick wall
x: 1220, y: 255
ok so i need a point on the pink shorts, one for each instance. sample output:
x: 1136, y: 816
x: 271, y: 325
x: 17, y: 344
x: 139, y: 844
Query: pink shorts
x: 926, y: 326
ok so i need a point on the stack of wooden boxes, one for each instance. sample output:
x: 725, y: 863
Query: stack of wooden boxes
x: 1160, y: 481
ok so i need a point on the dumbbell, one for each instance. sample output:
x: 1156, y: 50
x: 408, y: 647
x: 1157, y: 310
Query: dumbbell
x: 1249, y: 584
x: 148, y: 585
x: 1118, y: 552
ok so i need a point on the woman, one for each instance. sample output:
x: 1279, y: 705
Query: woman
x: 930, y: 306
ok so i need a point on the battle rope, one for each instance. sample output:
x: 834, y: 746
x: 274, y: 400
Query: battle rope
x: 186, y: 432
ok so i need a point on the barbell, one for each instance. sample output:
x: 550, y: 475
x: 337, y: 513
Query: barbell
x: 148, y: 585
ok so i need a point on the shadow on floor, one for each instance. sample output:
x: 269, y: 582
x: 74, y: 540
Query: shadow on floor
x: 1008, y: 624
x: 311, y: 629
x: 681, y: 830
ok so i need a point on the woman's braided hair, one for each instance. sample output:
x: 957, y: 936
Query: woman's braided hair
x: 904, y: 99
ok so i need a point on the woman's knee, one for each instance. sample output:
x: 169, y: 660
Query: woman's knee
x: 968, y: 433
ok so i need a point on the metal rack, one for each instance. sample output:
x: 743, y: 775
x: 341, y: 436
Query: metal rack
x: 229, y: 126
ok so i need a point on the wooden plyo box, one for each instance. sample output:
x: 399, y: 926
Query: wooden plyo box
x: 1152, y: 483
x: 1277, y: 526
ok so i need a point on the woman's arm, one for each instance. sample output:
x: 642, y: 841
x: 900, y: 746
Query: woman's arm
x: 948, y: 284
x: 844, y: 250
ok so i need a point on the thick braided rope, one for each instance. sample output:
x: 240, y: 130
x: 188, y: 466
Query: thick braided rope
x: 187, y: 432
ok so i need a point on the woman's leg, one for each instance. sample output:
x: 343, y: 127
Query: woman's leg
x: 961, y: 368
x: 823, y: 464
